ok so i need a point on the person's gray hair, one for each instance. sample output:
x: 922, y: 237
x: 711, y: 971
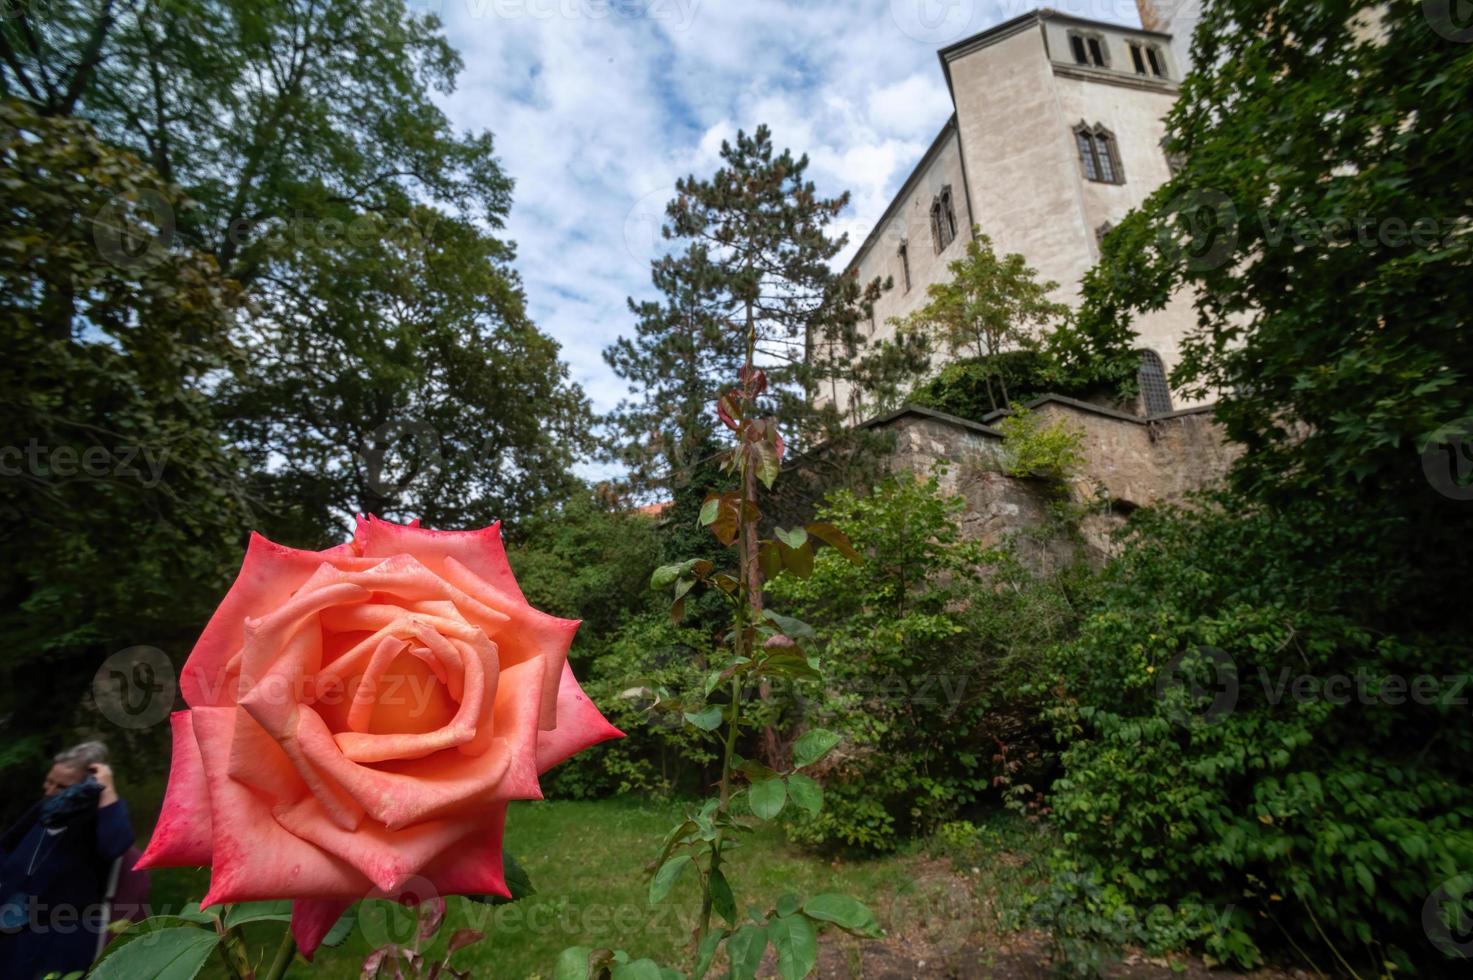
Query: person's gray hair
x: 81, y: 756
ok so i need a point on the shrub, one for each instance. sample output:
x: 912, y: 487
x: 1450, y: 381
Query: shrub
x: 927, y: 643
x: 1200, y: 773
x: 648, y: 666
x: 961, y: 387
x: 1032, y: 449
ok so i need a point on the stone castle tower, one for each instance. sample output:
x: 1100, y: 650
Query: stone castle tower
x: 1055, y: 136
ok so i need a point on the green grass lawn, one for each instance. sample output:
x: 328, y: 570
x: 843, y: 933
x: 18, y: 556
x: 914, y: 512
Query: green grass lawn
x: 587, y: 863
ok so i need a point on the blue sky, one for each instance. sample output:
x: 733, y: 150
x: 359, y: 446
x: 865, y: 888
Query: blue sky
x: 599, y: 105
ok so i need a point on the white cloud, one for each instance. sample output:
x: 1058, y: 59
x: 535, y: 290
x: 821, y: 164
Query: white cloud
x: 598, y: 106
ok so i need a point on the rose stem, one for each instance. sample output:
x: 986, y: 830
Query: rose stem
x: 284, y: 954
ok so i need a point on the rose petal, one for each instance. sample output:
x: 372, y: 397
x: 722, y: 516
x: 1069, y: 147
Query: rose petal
x: 480, y: 551
x: 268, y: 576
x: 181, y: 838
x: 398, y: 794
x: 579, y: 725
x: 254, y: 858
x: 388, y: 858
x: 312, y: 920
x: 475, y: 865
x: 531, y: 634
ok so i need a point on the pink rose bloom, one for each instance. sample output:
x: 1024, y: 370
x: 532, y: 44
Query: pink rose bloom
x: 361, y: 716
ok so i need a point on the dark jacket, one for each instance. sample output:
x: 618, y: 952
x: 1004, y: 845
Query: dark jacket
x: 52, y: 881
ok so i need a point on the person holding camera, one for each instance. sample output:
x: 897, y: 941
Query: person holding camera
x: 57, y: 865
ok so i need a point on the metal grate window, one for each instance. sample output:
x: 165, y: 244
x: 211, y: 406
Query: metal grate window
x: 1155, y: 392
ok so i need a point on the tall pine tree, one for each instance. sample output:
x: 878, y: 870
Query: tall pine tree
x: 755, y: 286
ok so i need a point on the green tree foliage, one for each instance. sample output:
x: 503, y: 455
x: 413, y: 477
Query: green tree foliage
x: 388, y: 321
x: 991, y: 304
x: 760, y: 248
x: 680, y: 358
x: 1320, y: 220
x: 967, y: 387
x: 1244, y: 733
x: 929, y: 641
x: 641, y: 679
x: 1320, y: 224
x: 120, y: 502
x: 584, y: 559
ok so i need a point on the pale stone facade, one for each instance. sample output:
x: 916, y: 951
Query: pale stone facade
x: 1011, y: 162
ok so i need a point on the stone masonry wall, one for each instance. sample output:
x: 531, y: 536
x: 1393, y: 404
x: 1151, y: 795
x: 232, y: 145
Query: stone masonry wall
x: 1135, y: 461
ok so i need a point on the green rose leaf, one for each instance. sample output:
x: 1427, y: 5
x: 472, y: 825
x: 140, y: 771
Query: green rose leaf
x: 744, y: 949
x: 168, y: 954
x: 813, y: 745
x: 665, y: 878
x: 767, y: 798
x: 793, y: 539
x: 243, y: 912
x: 805, y: 793
x: 847, y: 913
x: 755, y: 771
x: 795, y: 628
x: 710, y: 509
x: 665, y: 576
x: 722, y: 900
x: 796, y: 942
x: 708, y: 719
x: 706, y: 953
x: 638, y: 970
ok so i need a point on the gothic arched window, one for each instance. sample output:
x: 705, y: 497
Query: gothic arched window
x: 1098, y: 154
x: 1155, y: 392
